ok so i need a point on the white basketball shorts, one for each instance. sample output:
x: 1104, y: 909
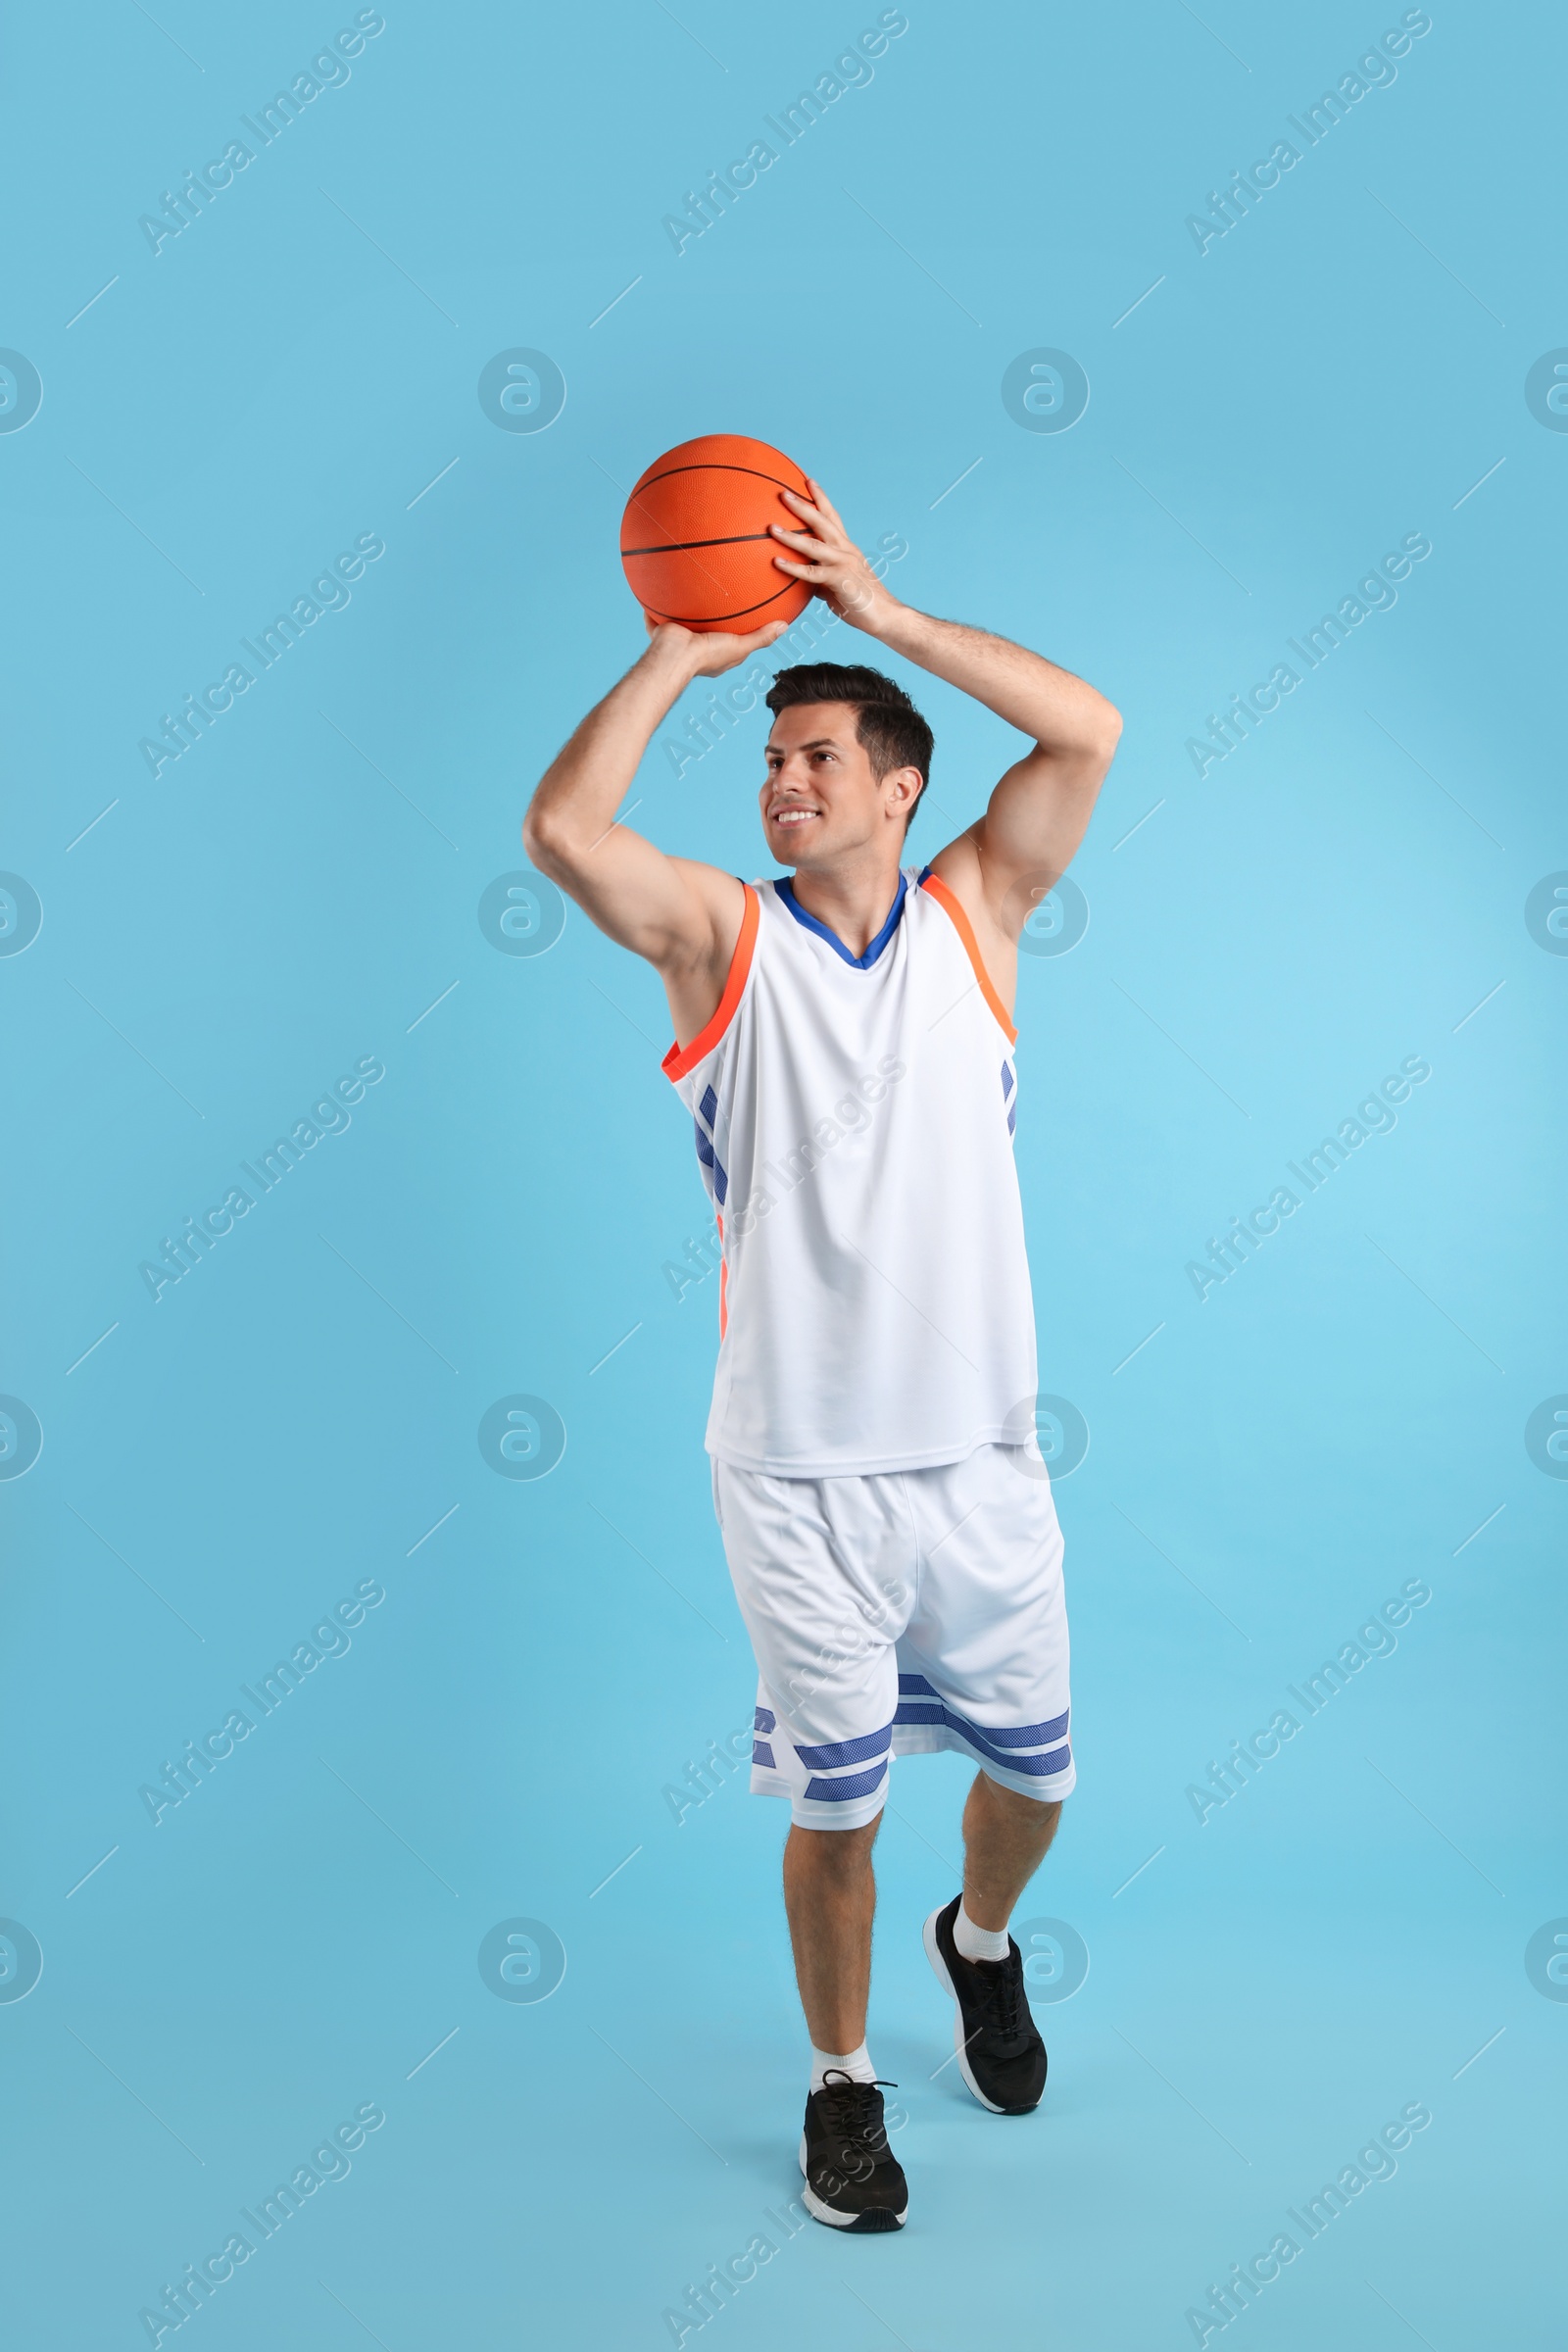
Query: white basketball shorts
x: 895, y: 1614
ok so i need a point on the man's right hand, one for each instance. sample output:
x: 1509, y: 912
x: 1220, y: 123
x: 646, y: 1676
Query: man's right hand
x: 707, y: 653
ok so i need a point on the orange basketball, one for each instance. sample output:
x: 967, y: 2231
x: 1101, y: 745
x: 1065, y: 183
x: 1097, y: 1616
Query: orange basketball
x: 694, y: 539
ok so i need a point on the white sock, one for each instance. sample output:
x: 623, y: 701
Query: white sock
x: 857, y: 2064
x: 978, y: 1943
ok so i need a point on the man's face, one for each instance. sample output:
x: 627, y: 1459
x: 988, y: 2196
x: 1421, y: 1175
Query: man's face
x: 821, y: 797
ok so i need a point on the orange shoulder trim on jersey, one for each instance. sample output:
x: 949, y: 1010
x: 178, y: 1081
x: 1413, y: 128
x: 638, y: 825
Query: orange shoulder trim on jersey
x: 681, y: 1059
x: 961, y: 924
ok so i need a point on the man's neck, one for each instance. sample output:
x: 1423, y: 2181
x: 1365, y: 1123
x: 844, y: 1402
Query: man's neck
x: 853, y: 899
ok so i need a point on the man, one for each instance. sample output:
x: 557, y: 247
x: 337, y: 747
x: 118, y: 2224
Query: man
x: 844, y: 1042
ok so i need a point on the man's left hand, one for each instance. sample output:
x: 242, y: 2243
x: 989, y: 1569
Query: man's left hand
x: 827, y: 558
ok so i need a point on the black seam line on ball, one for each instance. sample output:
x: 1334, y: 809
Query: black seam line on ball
x: 681, y: 547
x: 719, y: 465
x: 709, y: 618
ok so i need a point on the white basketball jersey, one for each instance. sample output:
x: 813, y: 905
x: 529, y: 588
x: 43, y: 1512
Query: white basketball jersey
x: 854, y: 1119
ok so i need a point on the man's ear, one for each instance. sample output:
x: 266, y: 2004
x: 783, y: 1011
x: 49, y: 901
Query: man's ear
x: 905, y: 785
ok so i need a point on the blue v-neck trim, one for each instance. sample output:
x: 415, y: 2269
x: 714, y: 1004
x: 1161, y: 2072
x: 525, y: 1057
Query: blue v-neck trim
x: 786, y: 891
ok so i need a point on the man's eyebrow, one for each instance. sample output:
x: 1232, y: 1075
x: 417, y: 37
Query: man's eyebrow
x: 818, y: 743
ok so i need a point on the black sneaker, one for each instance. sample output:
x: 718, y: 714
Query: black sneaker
x: 1001, y: 2055
x: 853, y: 2178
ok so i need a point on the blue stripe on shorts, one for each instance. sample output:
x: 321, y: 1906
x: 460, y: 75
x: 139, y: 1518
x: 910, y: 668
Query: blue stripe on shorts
x: 845, y: 1752
x: 925, y: 1704
x: 857, y: 1784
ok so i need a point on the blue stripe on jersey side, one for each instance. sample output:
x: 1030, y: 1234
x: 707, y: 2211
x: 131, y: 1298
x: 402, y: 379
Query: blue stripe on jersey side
x: 708, y: 1105
x: 761, y: 1753
x: 860, y: 1783
x: 785, y: 890
x: 1007, y: 1080
x: 918, y: 1682
x: 709, y: 1159
x: 1013, y: 1121
x: 765, y: 1719
x: 845, y: 1752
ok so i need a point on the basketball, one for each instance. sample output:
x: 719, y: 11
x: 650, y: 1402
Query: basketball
x: 694, y: 539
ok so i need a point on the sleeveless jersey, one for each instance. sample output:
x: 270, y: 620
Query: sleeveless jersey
x: 854, y: 1119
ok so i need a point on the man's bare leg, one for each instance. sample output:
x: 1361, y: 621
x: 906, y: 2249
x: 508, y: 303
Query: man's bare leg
x: 853, y: 2178
x: 830, y: 1895
x: 1004, y: 1840
x: 1001, y: 2054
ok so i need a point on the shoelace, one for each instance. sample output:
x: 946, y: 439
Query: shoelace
x: 852, y: 2115
x: 1002, y: 1981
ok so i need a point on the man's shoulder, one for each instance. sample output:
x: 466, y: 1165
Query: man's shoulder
x: 958, y: 872
x: 723, y: 894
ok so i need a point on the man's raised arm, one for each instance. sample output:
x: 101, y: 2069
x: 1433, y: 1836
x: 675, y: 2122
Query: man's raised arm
x: 682, y: 915
x: 1039, y: 811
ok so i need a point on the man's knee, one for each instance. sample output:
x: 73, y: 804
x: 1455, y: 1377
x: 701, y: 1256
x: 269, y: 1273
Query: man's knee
x: 839, y: 1851
x: 1030, y: 1812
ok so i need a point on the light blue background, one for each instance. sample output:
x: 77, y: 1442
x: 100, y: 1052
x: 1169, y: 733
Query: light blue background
x: 298, y: 888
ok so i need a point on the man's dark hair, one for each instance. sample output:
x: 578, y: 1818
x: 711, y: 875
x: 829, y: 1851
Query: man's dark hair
x: 887, y: 725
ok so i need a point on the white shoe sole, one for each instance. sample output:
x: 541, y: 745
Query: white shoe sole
x: 933, y: 1952
x: 824, y: 2213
